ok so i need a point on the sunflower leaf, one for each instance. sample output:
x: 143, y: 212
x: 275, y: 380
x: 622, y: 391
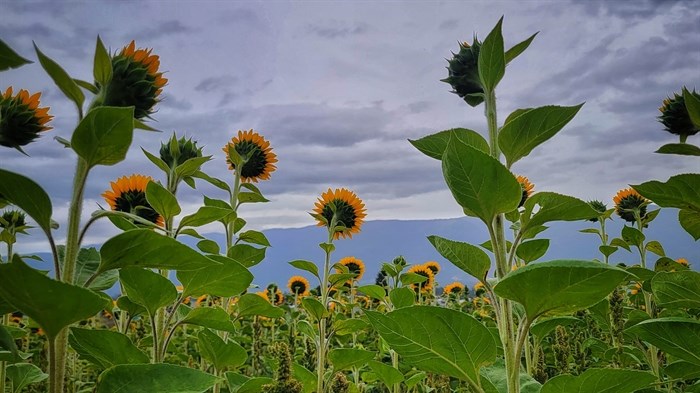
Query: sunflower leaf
x: 519, y: 48
x: 679, y: 337
x: 307, y: 266
x: 209, y: 317
x: 492, y: 60
x: 9, y: 58
x: 692, y: 105
x: 600, y: 380
x: 434, y: 145
x: 147, y: 288
x: 22, y: 375
x: 154, y: 378
x: 28, y: 196
x: 677, y: 289
x: 345, y: 358
x: 61, y: 78
x: 680, y: 191
x: 528, y: 128
x: 102, y: 68
x: 554, y: 207
x: 227, y: 279
x: 465, y: 256
x: 252, y: 304
x: 684, y: 149
x: 104, y: 136
x: 438, y: 340
x: 690, y: 221
x: 220, y: 353
x: 162, y: 200
x: 105, y: 348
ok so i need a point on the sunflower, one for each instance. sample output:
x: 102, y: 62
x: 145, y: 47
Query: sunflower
x: 636, y: 288
x: 349, y: 211
x: 354, y: 265
x: 479, y: 288
x: 299, y: 286
x: 21, y: 119
x: 135, y: 81
x: 277, y: 294
x: 260, y: 160
x: 425, y: 272
x: 128, y: 194
x: 176, y: 151
x: 683, y: 262
x: 364, y: 301
x: 527, y: 188
x: 627, y: 202
x: 456, y: 288
x: 201, y: 301
x: 433, y: 266
x: 463, y: 73
x: 599, y: 207
x: 675, y: 117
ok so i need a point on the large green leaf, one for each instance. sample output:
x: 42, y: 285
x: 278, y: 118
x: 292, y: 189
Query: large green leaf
x: 205, y: 215
x: 227, y: 279
x: 61, y: 78
x: 9, y: 58
x: 498, y: 379
x: 680, y: 191
x: 252, y: 304
x: 492, y: 60
x: 52, y: 304
x: 146, y: 248
x: 344, y: 358
x: 600, y: 380
x: 104, y: 136
x: 8, y: 345
x: 210, y: 317
x: 465, y: 256
x: 105, y: 348
x: 554, y: 207
x: 219, y: 352
x: 559, y: 287
x: 24, y: 374
x: 28, y: 196
x: 434, y: 145
x: 147, y: 288
x: 438, y: 340
x: 162, y: 200
x: 478, y: 182
x: 677, y: 289
x: 306, y: 377
x: 531, y: 127
x: 690, y: 221
x: 532, y: 250
x: 402, y: 297
x: 544, y: 326
x: 679, y: 337
x: 86, y: 266
x: 154, y: 378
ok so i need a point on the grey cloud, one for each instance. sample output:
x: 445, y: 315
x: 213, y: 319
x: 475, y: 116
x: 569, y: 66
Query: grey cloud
x: 449, y: 24
x: 172, y: 102
x: 626, y: 9
x: 335, y: 29
x: 214, y: 83
x: 166, y: 29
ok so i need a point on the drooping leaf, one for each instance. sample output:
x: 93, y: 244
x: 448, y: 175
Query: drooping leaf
x: 9, y: 58
x: 147, y: 288
x: 314, y: 307
x: 306, y: 377
x: 345, y: 358
x: 680, y: 191
x: 492, y: 60
x: 105, y: 348
x: 28, y: 196
x: 437, y: 340
x: 676, y: 336
x: 690, y: 221
x: 219, y: 352
x: 227, y: 279
x: 86, y: 265
x: 683, y: 149
x: 22, y: 375
x: 252, y: 304
x: 560, y: 286
x: 210, y: 317
x: 532, y: 250
x: 531, y: 127
x: 146, y: 248
x: 61, y: 78
x: 465, y: 256
x: 205, y: 215
x: 434, y: 145
x: 554, y: 207
x: 246, y: 254
x: 388, y: 374
x: 307, y: 266
x: 254, y: 237
x: 154, y: 378
x: 52, y: 304
x: 677, y: 289
x: 162, y: 200
x: 373, y: 291
x: 600, y: 380
x: 479, y: 182
x: 8, y: 345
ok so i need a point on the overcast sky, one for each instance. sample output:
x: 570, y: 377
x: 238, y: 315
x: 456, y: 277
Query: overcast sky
x: 338, y: 88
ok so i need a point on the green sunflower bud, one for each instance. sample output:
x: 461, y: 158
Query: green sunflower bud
x: 13, y: 219
x: 599, y: 207
x: 176, y: 151
x: 675, y: 118
x: 463, y: 73
x: 135, y: 81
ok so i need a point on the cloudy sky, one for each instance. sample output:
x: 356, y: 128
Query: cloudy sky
x: 338, y: 88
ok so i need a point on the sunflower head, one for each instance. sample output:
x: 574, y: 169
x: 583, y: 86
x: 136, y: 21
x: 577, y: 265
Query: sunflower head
x: 454, y: 289
x: 354, y: 265
x: 348, y: 209
x: 256, y: 154
x: 463, y: 73
x: 21, y: 119
x: 274, y: 295
x: 526, y: 187
x: 299, y: 286
x: 636, y: 288
x: 176, y: 151
x: 136, y: 80
x: 599, y: 207
x: 13, y: 219
x: 675, y: 118
x: 201, y: 301
x: 433, y: 266
x: 683, y: 262
x: 128, y: 194
x: 479, y: 288
x: 425, y: 272
x: 628, y: 202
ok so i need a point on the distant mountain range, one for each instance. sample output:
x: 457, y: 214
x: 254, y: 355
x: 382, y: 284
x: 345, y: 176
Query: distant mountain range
x: 383, y: 240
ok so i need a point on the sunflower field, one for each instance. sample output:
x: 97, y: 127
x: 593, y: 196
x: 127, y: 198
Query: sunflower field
x: 188, y: 320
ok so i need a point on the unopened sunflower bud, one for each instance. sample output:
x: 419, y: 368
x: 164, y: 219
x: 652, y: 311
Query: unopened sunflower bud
x: 463, y: 73
x: 675, y: 118
x: 176, y: 151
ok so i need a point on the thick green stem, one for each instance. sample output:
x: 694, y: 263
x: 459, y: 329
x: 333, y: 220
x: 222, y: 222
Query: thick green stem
x: 653, y: 352
x: 55, y: 386
x: 321, y: 352
x: 5, y: 322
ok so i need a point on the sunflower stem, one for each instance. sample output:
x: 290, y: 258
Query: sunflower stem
x: 653, y: 352
x: 321, y: 353
x: 3, y: 365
